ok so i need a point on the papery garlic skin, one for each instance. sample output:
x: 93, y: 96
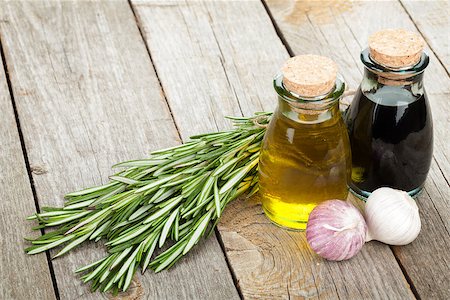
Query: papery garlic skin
x: 336, y: 230
x: 392, y: 217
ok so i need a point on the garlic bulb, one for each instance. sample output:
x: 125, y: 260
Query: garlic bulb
x: 336, y: 230
x: 392, y: 217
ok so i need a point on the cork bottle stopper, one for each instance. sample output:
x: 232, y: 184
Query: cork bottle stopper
x: 309, y: 75
x: 396, y: 48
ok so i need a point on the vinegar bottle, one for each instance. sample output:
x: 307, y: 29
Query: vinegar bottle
x: 305, y: 156
x: 389, y: 120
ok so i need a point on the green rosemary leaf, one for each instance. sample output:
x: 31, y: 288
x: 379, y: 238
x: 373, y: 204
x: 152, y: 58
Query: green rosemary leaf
x: 116, y: 198
x: 194, y: 184
x: 90, y: 190
x: 72, y: 245
x: 98, y: 269
x: 78, y: 205
x: 197, y: 208
x: 183, y: 178
x: 109, y: 285
x: 111, y: 193
x: 140, y: 163
x: 164, y: 210
x: 162, y: 195
x: 178, y: 147
x: 90, y: 219
x: 149, y: 254
x: 129, y: 276
x: 173, y: 164
x: 120, y: 257
x: 166, y: 262
x: 238, y: 176
x: 90, y: 266
x: 121, y: 281
x: 126, y: 265
x: 140, y: 211
x: 156, y: 183
x: 69, y: 218
x: 34, y: 250
x: 253, y: 191
x: 53, y: 213
x: 175, y: 228
x: 197, y: 233
x: 105, y: 275
x: 206, y: 189
x: 123, y: 202
x: 100, y: 230
x: 47, y: 241
x: 167, y: 227
x: 225, y: 166
x: 208, y: 136
x: 129, y: 236
x: 187, y: 164
x: 217, y: 199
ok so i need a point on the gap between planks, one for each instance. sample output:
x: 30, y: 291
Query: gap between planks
x: 27, y: 165
x: 157, y: 29
x: 425, y: 38
x: 393, y: 249
x: 138, y: 25
x: 292, y: 53
x: 163, y: 134
x: 216, y: 233
x: 278, y: 30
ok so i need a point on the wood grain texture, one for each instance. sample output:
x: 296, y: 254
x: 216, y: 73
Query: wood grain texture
x: 318, y: 25
x: 17, y: 269
x: 218, y: 58
x: 432, y: 18
x: 88, y: 97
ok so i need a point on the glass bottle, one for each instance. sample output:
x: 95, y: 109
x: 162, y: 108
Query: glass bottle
x: 389, y: 121
x: 305, y: 156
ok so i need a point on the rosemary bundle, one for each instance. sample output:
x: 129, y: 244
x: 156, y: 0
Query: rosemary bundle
x: 176, y: 196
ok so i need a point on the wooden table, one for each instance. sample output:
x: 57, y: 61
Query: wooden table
x: 86, y: 85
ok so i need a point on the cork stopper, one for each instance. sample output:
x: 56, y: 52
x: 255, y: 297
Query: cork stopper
x: 396, y: 48
x: 309, y: 75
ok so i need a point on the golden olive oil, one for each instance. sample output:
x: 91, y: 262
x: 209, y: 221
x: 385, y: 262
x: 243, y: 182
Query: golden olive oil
x: 305, y: 160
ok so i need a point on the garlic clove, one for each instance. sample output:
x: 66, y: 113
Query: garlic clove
x: 392, y: 217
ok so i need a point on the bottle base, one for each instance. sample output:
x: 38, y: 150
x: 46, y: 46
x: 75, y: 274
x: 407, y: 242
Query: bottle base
x: 293, y: 225
x: 363, y: 195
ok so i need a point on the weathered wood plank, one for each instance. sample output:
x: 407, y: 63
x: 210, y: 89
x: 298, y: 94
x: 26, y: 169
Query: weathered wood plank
x: 17, y: 270
x: 88, y: 97
x: 208, y: 56
x: 319, y: 25
x: 432, y: 18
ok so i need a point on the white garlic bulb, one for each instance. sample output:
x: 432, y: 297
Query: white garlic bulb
x: 392, y: 217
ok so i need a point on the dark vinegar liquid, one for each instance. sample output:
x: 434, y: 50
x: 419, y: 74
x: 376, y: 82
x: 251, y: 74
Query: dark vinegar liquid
x: 391, y: 142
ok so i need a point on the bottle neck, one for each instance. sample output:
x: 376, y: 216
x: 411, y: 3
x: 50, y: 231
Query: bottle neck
x: 392, y: 79
x: 308, y: 110
x: 388, y: 86
x: 392, y: 91
x: 376, y: 75
x: 307, y: 115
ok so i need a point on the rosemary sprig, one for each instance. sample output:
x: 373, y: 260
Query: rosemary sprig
x: 175, y: 196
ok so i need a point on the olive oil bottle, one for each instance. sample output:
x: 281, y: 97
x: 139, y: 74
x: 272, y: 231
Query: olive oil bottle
x: 305, y: 157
